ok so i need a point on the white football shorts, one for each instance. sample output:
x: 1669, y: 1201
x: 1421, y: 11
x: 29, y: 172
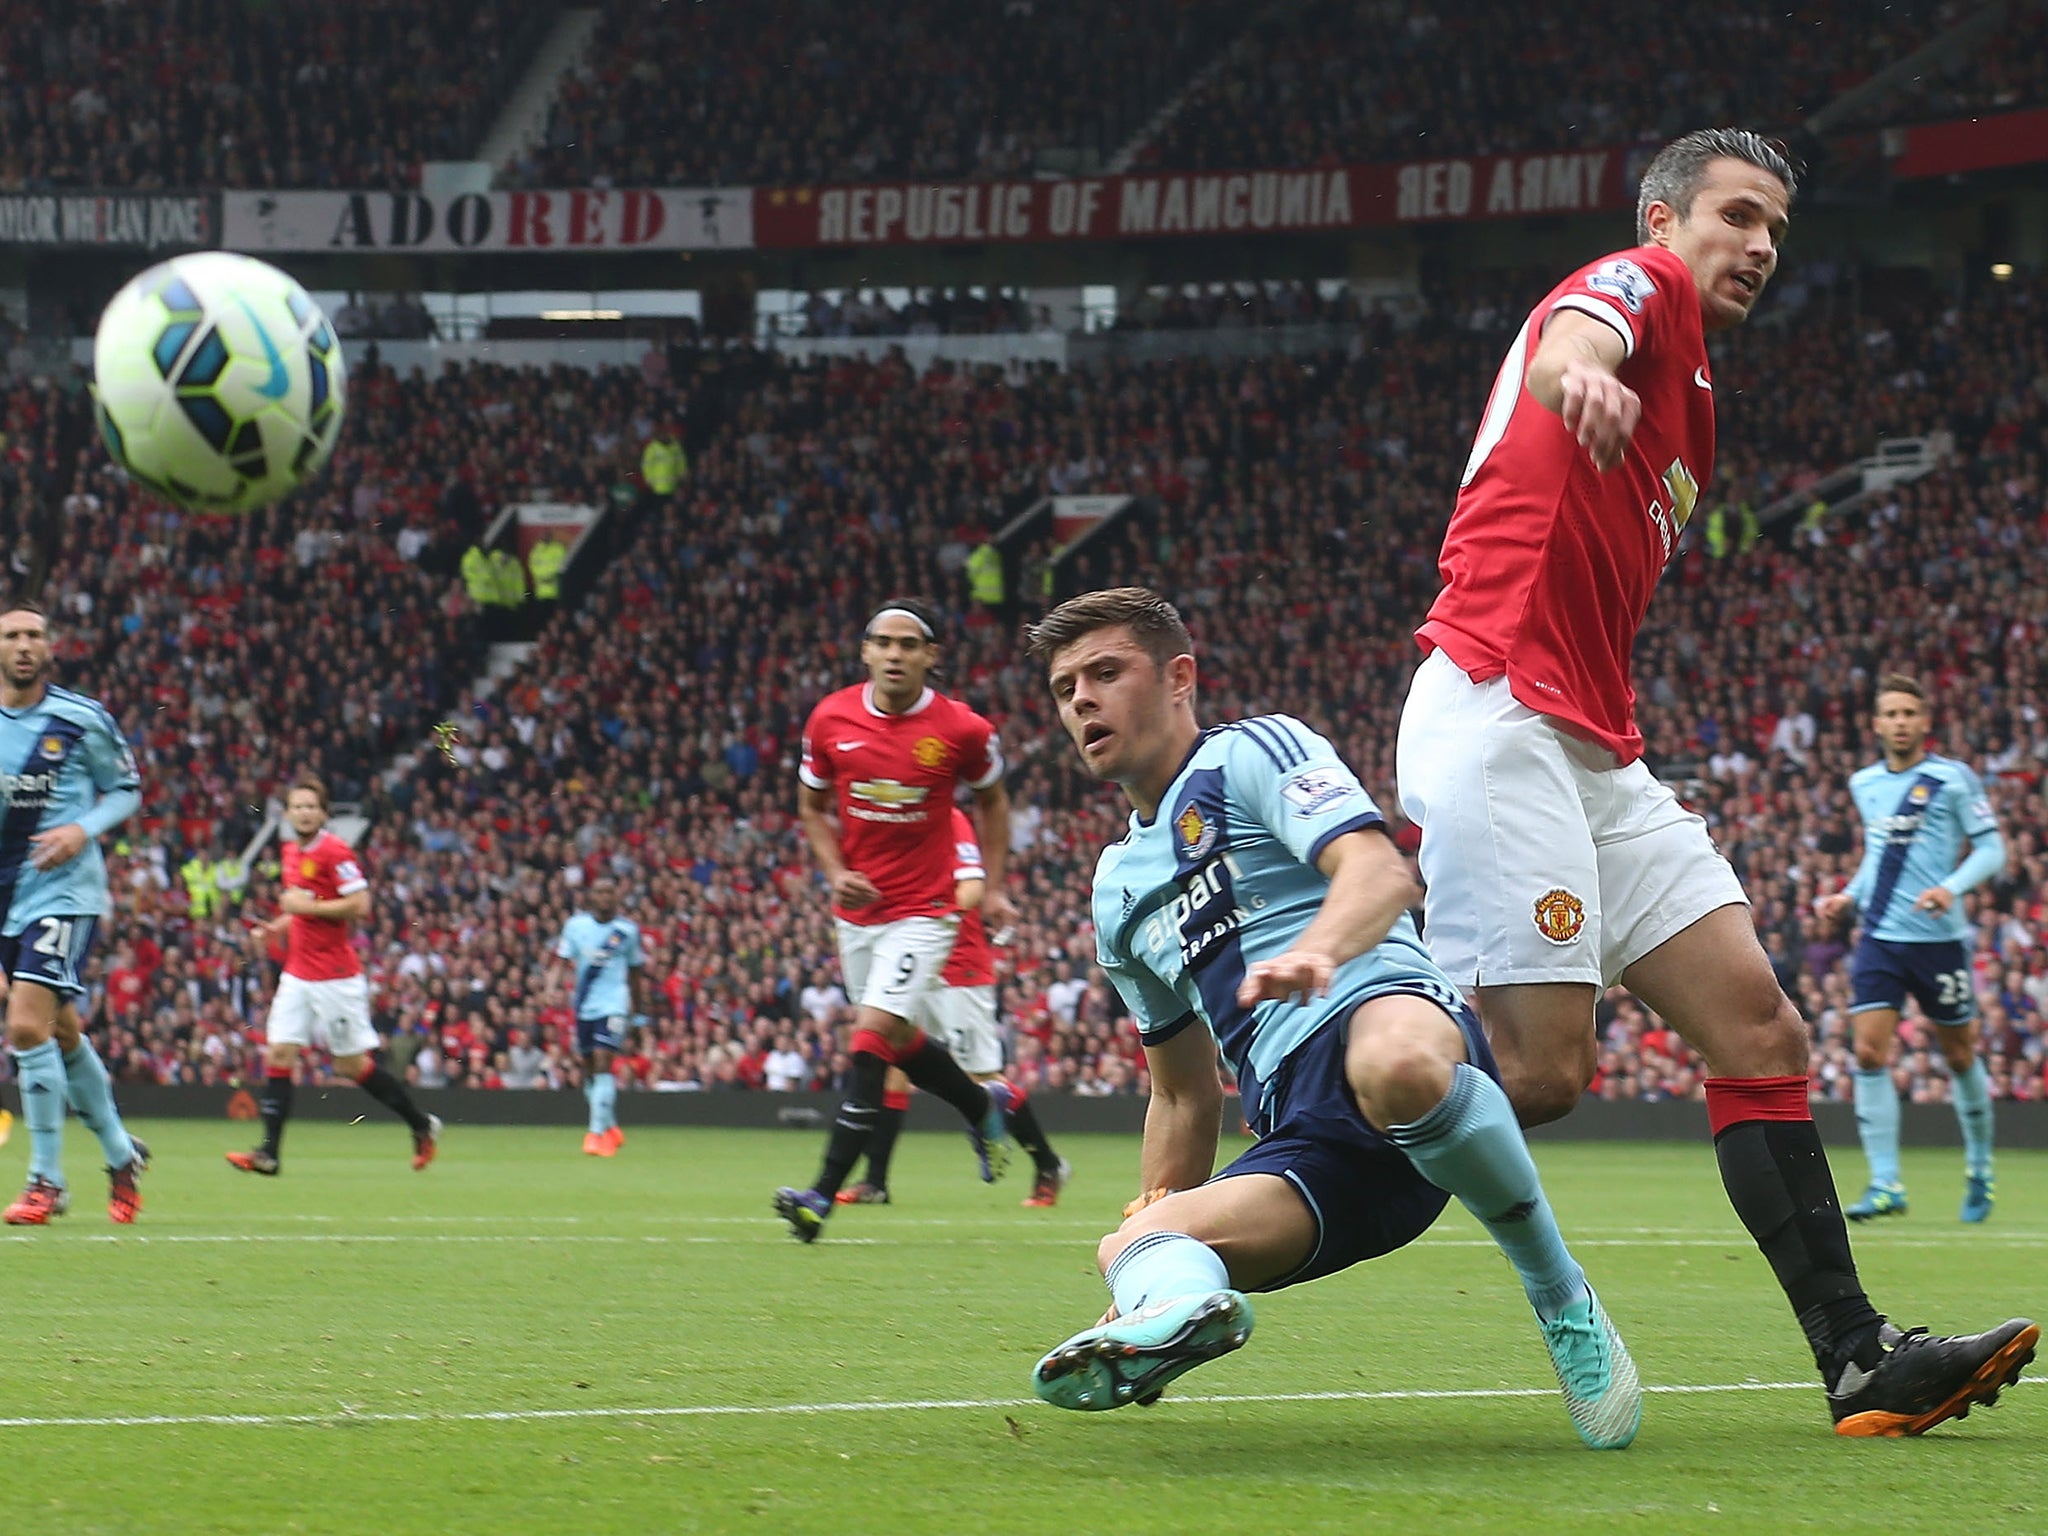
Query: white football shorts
x: 965, y: 1019
x: 1543, y: 859
x: 334, y: 1015
x: 893, y: 967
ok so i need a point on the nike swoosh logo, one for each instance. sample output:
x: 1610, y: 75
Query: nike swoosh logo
x: 279, y: 382
x: 1699, y: 377
x: 848, y: 746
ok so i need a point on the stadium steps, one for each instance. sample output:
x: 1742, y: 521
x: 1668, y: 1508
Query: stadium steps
x: 1121, y: 162
x: 505, y: 658
x: 525, y: 116
x: 1894, y: 461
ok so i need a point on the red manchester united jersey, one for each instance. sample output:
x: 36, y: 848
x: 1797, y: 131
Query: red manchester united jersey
x: 318, y: 948
x: 973, y: 961
x: 893, y: 778
x: 1548, y: 564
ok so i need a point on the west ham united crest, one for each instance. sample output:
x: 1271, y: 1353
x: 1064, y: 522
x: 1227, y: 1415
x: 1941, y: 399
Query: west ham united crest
x: 1197, y: 834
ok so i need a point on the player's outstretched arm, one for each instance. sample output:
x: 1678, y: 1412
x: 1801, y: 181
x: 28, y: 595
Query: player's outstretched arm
x: 1574, y: 375
x: 1185, y: 1118
x: 1370, y: 887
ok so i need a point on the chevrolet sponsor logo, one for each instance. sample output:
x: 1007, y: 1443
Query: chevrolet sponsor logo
x: 889, y: 792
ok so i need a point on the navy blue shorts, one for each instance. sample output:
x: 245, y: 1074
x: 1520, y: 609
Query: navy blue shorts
x: 601, y: 1034
x: 1367, y: 1198
x: 50, y: 951
x: 1884, y: 972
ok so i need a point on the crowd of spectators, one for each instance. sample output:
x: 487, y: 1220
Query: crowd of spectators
x: 220, y: 93
x: 927, y: 312
x: 2007, y: 73
x: 1250, y: 306
x: 1002, y: 311
x: 1338, y: 81
x: 795, y: 92
x: 1295, y: 510
x: 211, y: 93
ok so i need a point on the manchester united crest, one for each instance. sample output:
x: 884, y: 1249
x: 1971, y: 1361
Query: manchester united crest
x: 1560, y: 916
x: 308, y: 869
x: 1197, y: 834
x: 931, y: 752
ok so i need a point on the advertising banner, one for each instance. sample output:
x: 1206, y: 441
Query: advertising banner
x: 1296, y: 201
x: 579, y: 222
x: 1968, y: 144
x: 143, y: 221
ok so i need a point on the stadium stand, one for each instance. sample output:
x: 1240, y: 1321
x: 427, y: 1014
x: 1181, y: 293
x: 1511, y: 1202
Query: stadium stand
x: 1297, y: 508
x: 212, y: 93
x: 1336, y: 81
x: 802, y: 91
x: 2007, y: 74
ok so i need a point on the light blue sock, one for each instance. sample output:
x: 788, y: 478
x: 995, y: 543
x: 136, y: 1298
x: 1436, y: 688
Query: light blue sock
x: 1471, y: 1146
x: 1162, y: 1265
x: 1973, y: 1113
x: 604, y: 1107
x: 596, y: 1123
x: 41, y: 1074
x: 1877, y: 1124
x: 92, y: 1095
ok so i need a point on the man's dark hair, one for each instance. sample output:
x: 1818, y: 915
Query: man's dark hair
x: 916, y: 607
x: 1153, y: 622
x: 313, y: 784
x: 1899, y: 682
x: 26, y: 605
x: 1680, y: 169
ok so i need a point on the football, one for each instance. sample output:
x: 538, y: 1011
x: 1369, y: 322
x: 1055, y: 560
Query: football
x: 218, y: 383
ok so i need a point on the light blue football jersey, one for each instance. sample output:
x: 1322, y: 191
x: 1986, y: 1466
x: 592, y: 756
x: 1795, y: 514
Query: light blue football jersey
x: 1914, y: 826
x: 62, y: 760
x: 602, y: 953
x: 1225, y: 876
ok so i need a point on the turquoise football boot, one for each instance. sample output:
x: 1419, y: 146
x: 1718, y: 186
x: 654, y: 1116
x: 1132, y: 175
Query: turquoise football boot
x: 1598, y: 1376
x: 1131, y: 1359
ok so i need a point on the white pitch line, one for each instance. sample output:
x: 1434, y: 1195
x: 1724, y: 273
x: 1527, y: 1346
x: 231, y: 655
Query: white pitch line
x: 1008, y: 1238
x: 779, y: 1410
x: 1581, y: 1236
x: 143, y: 1239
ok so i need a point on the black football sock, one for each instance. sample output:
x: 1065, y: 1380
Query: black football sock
x: 1777, y: 1177
x: 935, y: 1071
x: 882, y: 1146
x: 390, y: 1092
x: 1028, y: 1134
x: 276, y: 1105
x: 854, y: 1125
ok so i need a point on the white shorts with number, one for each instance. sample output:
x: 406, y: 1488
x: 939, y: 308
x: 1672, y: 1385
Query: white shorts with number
x: 965, y: 1018
x: 1544, y: 861
x: 892, y: 967
x: 332, y: 1014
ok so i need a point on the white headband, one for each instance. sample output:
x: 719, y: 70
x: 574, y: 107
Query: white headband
x: 903, y: 613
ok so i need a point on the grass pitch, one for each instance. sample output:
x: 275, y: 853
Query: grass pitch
x: 523, y: 1339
